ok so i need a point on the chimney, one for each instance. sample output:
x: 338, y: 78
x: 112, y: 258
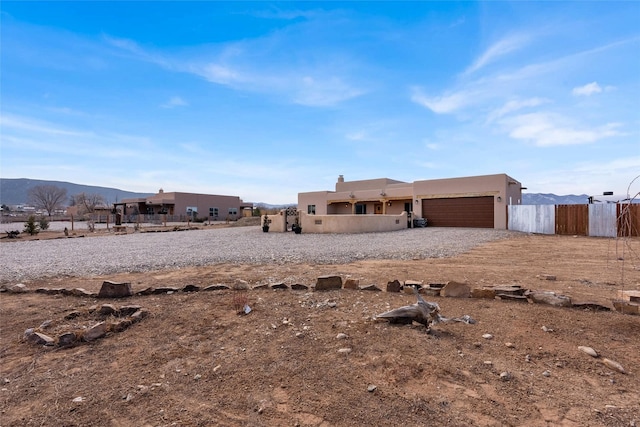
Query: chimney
x: 160, y: 191
x: 341, y: 178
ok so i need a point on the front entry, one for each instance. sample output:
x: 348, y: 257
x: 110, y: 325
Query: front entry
x: 377, y: 208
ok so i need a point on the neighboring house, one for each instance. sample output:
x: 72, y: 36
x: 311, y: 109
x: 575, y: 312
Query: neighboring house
x: 476, y: 201
x: 187, y: 205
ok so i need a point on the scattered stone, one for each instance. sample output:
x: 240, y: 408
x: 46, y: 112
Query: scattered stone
x: 488, y: 363
x: 477, y: 344
x: 486, y: 293
x: 505, y: 376
x: 430, y: 291
x: 527, y: 358
x: 81, y: 292
x: 111, y: 289
x: 371, y: 388
x: 139, y: 315
x: 19, y: 288
x: 327, y: 283
x: 456, y: 290
x: 191, y: 288
x: 545, y: 329
x: 546, y: 277
x: 78, y: 399
x: 546, y: 374
x: 108, y: 309
x: 165, y: 290
x: 487, y: 336
x: 341, y: 336
x: 299, y: 335
x: 550, y: 298
x: 38, y: 338
x: 332, y: 304
x: 197, y: 377
x: 46, y: 324
x: 513, y: 290
x: 98, y: 330
x: 258, y: 287
x: 276, y: 286
x: 510, y: 345
x: 67, y: 339
x: 394, y: 286
x: 613, y: 365
x: 345, y: 350
x: 146, y: 291
x: 128, y: 310
x: 351, y: 284
x: 627, y: 307
x: 588, y: 350
x: 217, y: 368
x: 373, y: 288
x: 590, y: 306
x: 299, y: 287
x: 509, y: 297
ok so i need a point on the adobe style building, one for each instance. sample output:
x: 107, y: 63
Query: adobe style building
x: 476, y: 201
x: 190, y: 205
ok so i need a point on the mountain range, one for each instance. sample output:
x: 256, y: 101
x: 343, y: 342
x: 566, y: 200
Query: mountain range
x: 15, y: 191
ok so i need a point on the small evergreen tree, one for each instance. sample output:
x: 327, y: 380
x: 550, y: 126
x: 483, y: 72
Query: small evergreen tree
x: 43, y: 222
x: 31, y: 226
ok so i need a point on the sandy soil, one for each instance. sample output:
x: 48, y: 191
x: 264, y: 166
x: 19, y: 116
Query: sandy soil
x: 194, y: 362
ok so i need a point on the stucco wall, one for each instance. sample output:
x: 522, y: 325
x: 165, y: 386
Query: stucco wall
x: 352, y: 223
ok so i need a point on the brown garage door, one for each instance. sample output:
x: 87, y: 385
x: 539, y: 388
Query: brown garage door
x: 476, y: 212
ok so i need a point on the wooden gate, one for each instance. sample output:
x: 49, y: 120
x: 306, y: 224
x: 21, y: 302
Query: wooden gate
x: 572, y: 220
x: 628, y: 216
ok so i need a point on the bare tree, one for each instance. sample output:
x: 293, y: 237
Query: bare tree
x: 47, y: 197
x: 87, y: 203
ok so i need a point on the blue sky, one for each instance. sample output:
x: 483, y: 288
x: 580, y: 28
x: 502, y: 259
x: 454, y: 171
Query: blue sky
x: 266, y: 99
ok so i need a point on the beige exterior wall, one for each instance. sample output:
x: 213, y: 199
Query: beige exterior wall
x: 392, y: 197
x: 341, y: 223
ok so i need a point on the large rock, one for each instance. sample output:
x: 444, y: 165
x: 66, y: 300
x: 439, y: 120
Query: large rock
x: 550, y: 298
x: 40, y: 339
x: 111, y: 289
x: 20, y: 288
x: 456, y: 290
x: 351, y: 284
x: 98, y: 330
x: 394, y: 286
x: 327, y: 283
x: 487, y: 293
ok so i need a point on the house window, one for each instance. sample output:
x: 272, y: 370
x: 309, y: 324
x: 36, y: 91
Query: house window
x: 192, y: 211
x: 311, y: 209
x: 213, y: 212
x: 233, y: 211
x: 361, y: 209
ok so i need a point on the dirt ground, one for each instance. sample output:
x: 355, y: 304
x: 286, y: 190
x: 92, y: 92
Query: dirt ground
x: 194, y: 362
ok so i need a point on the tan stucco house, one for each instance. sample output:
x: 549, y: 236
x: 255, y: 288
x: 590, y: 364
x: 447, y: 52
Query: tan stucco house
x: 188, y: 205
x: 475, y: 201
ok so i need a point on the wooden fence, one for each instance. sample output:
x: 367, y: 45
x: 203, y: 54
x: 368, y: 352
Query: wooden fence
x: 598, y: 220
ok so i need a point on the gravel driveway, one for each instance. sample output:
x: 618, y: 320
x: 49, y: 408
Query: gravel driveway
x: 141, y: 252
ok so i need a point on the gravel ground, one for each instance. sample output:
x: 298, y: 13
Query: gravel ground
x: 140, y: 252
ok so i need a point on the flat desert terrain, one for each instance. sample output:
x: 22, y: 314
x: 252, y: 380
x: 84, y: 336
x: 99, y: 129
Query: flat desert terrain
x: 305, y: 358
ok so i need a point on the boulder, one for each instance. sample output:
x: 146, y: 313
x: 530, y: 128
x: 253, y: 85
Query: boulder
x: 456, y: 290
x: 216, y: 287
x: 98, y: 330
x: 38, y: 338
x: 487, y: 293
x: 108, y: 310
x: 165, y: 290
x: 299, y: 287
x: 191, y: 288
x: 260, y: 287
x: 550, y: 298
x: 128, y: 310
x: 327, y: 283
x: 394, y: 286
x: 19, y: 288
x: 67, y: 339
x: 80, y: 292
x: 111, y: 289
x: 351, y: 284
x: 277, y: 286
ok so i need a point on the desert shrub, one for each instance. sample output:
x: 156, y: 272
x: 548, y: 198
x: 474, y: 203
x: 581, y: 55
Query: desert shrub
x: 43, y: 222
x: 31, y: 226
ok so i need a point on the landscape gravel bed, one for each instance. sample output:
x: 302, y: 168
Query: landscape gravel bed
x: 140, y: 252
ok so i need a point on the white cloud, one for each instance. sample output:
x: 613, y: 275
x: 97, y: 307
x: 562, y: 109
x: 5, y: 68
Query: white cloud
x: 175, y: 101
x: 498, y: 49
x: 441, y: 104
x: 546, y: 130
x: 587, y: 90
x: 515, y: 105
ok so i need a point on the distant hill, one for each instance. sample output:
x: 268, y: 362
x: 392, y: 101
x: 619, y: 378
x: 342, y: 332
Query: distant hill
x: 552, y: 199
x: 16, y: 191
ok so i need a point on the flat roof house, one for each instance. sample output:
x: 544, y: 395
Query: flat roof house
x: 191, y: 205
x: 475, y: 201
